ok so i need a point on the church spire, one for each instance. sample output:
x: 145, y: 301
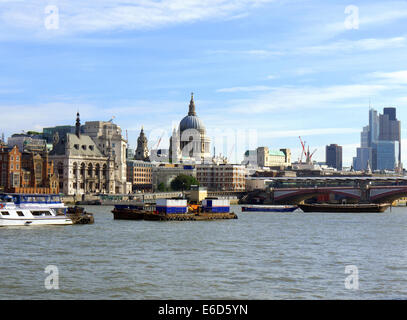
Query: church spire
x: 192, y: 106
x: 78, y: 125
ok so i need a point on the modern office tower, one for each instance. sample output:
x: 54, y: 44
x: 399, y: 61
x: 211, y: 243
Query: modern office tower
x: 333, y: 156
x: 378, y: 142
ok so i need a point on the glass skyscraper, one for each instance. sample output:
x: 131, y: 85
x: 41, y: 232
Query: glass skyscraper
x: 378, y: 142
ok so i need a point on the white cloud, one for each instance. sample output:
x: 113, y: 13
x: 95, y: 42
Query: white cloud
x: 308, y: 132
x: 90, y: 16
x: 396, y: 77
x: 356, y: 45
x: 245, y: 89
x: 306, y: 97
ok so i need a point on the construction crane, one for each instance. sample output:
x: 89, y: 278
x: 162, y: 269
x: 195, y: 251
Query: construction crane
x: 159, y: 141
x: 111, y: 120
x: 303, y: 149
x: 308, y: 155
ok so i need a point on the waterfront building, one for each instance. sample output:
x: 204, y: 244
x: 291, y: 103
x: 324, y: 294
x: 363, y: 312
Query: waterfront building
x: 140, y: 175
x: 159, y: 155
x: 273, y: 158
x: 27, y: 142
x: 142, y: 148
x: 250, y: 158
x: 189, y: 141
x: 82, y: 168
x: 49, y: 133
x: 130, y: 153
x: 223, y: 177
x: 10, y: 162
x: 333, y: 156
x: 109, y: 140
x: 165, y: 173
x: 26, y: 172
x: 378, y: 142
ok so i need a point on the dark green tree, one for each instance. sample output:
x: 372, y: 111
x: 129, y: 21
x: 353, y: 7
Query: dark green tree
x: 183, y: 182
x: 161, y: 187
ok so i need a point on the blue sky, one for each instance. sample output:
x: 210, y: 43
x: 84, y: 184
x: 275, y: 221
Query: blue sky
x: 263, y: 72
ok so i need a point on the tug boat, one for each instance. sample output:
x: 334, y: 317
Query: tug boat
x: 271, y: 208
x: 32, y: 209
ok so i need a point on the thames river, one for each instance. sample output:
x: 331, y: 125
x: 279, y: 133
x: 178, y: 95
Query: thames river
x: 259, y: 256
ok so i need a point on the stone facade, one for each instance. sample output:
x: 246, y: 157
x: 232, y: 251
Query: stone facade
x: 139, y: 174
x: 142, y: 148
x: 82, y: 168
x: 189, y: 142
x: 270, y: 158
x: 224, y: 177
x: 108, y: 138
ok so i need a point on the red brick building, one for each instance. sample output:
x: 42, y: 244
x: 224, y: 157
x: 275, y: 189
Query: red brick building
x: 26, y: 172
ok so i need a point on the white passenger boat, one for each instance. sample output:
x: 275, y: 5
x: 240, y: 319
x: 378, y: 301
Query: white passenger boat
x: 32, y: 209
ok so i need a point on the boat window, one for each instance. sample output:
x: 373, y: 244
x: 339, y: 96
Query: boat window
x: 5, y: 213
x: 41, y: 213
x: 20, y: 213
x: 60, y: 211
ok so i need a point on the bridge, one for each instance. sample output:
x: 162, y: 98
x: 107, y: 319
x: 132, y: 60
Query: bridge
x: 348, y: 189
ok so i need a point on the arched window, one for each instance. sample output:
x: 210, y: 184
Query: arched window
x: 82, y: 169
x: 60, y: 168
x: 104, y: 171
x: 75, y: 169
x: 90, y: 170
x: 97, y: 170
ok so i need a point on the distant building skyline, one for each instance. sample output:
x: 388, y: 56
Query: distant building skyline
x: 377, y: 149
x: 276, y: 69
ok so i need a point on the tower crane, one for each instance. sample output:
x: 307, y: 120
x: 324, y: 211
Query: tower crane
x: 308, y: 155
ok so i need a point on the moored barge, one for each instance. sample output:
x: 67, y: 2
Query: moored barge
x: 356, y: 208
x: 175, y: 210
x: 270, y: 208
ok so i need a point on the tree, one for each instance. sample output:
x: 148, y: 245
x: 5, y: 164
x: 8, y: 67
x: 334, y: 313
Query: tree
x: 161, y: 187
x: 183, y: 182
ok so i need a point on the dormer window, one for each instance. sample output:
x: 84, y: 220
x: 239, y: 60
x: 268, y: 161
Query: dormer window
x: 84, y: 147
x: 76, y: 146
x: 91, y: 148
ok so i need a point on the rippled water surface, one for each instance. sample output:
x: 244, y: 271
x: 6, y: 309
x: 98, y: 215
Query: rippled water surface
x: 258, y: 256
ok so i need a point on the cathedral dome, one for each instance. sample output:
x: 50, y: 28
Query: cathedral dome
x: 191, y: 121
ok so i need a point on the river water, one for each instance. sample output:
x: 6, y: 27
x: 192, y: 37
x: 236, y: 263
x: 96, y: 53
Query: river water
x: 259, y: 256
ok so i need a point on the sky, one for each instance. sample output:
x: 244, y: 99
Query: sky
x: 263, y: 72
